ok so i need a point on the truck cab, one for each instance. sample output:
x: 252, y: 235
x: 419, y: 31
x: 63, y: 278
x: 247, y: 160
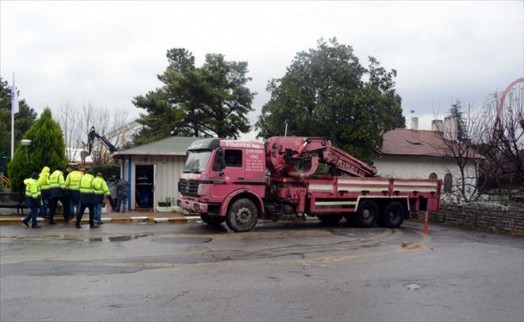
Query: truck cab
x: 219, y: 171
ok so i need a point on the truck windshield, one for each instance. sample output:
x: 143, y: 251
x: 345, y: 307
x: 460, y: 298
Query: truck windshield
x: 197, y: 161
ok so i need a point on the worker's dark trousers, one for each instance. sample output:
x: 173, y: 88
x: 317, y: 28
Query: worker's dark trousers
x: 80, y: 214
x: 53, y: 205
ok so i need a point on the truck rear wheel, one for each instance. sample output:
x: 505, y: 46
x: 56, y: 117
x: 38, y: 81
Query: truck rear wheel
x: 393, y: 215
x: 212, y: 220
x: 367, y: 214
x: 242, y: 215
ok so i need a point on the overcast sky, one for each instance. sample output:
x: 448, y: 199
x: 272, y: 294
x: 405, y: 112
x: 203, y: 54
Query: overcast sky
x: 106, y: 53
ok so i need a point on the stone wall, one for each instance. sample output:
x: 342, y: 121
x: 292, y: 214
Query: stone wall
x: 483, y: 217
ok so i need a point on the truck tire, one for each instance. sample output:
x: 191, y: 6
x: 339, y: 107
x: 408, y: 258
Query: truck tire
x: 393, y: 215
x: 367, y: 214
x: 212, y: 220
x: 242, y: 215
x: 330, y: 219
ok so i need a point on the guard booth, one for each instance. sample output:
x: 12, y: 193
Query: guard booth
x: 153, y: 171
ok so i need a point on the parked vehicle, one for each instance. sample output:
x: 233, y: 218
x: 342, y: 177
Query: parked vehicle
x: 240, y: 182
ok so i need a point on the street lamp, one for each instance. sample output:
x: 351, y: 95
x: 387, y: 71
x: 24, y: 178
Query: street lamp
x: 26, y: 143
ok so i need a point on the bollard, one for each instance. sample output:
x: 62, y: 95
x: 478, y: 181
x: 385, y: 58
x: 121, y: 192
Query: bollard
x: 426, y: 224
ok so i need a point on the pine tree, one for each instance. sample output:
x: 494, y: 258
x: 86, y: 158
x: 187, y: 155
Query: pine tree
x: 327, y: 92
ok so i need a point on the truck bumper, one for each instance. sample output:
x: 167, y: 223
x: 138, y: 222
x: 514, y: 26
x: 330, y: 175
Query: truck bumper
x: 192, y: 206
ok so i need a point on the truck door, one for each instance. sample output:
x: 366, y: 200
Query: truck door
x: 234, y: 171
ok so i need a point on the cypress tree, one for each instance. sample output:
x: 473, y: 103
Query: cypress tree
x: 47, y: 148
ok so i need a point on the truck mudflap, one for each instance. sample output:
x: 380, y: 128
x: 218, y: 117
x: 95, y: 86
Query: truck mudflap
x: 193, y: 206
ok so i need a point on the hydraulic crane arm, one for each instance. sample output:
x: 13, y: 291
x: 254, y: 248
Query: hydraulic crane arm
x: 93, y: 135
x: 299, y: 157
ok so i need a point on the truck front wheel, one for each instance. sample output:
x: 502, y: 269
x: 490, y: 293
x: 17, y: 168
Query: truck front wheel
x: 242, y: 215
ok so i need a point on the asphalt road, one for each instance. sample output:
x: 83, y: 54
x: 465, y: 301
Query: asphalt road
x: 279, y: 272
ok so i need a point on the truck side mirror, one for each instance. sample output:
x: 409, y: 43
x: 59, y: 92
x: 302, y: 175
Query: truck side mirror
x: 219, y: 163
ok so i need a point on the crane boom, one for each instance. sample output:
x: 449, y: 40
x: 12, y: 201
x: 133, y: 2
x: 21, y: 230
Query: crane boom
x: 93, y: 135
x: 299, y: 157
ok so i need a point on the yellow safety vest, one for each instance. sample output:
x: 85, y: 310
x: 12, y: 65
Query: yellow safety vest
x: 86, y: 183
x: 32, y: 188
x: 72, y: 181
x: 43, y: 179
x: 56, y: 180
x: 100, y: 186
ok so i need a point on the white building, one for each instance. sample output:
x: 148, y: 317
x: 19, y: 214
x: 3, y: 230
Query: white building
x: 75, y: 155
x: 425, y: 154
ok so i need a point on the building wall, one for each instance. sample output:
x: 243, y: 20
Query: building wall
x: 167, y: 173
x: 422, y: 167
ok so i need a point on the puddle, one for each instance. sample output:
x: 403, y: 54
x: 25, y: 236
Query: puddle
x: 412, y: 287
x: 183, y: 240
x: 119, y: 238
x: 114, y: 239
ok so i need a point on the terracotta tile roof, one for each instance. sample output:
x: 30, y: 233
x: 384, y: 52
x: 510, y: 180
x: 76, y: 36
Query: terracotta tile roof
x: 416, y: 143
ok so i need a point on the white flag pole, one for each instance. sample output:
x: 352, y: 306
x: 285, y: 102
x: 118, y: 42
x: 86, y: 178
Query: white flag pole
x: 14, y: 110
x: 12, y: 135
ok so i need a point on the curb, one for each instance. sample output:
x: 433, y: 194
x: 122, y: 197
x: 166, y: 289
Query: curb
x: 130, y: 219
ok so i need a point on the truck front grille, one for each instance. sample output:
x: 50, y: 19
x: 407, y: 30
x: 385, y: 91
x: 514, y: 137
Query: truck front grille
x: 188, y: 187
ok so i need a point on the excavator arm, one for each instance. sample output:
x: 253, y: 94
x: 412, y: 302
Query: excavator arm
x: 92, y: 136
x: 300, y: 156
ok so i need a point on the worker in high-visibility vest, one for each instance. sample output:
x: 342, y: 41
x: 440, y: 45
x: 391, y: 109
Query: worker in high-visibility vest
x: 43, y: 182
x: 65, y: 199
x: 87, y: 199
x: 56, y: 193
x: 32, y: 198
x: 101, y: 191
x: 72, y: 185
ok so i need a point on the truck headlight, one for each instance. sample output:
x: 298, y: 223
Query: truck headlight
x: 203, y: 189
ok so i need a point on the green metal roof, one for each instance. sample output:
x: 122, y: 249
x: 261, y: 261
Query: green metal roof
x: 174, y: 146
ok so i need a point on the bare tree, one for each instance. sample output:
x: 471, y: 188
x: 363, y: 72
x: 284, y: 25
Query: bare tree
x: 487, y: 147
x: 68, y: 121
x: 503, y: 138
x: 77, y: 124
x: 458, y: 143
x: 106, y: 124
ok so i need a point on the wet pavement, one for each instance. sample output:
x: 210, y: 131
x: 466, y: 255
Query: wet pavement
x: 148, y: 271
x: 141, y: 215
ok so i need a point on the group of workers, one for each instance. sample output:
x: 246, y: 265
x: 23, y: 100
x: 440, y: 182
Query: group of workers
x: 76, y: 191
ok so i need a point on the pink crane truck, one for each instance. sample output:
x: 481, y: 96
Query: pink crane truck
x: 240, y: 182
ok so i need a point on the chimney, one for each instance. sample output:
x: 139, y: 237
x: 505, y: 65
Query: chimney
x: 451, y: 128
x: 437, y: 125
x: 414, y: 123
